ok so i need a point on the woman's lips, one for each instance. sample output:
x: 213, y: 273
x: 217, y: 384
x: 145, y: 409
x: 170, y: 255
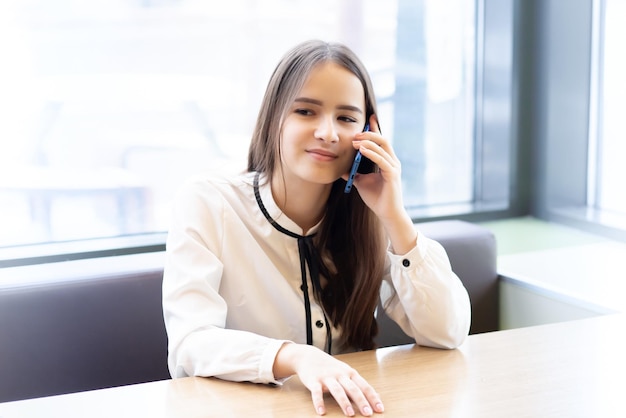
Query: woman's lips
x: 322, y: 155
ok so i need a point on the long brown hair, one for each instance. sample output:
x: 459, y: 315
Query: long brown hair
x: 350, y: 235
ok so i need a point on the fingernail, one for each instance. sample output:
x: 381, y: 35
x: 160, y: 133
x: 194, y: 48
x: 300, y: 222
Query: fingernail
x: 367, y: 411
x: 350, y: 411
x: 320, y: 410
x: 380, y: 407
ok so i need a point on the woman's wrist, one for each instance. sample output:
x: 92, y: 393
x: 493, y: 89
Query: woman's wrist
x: 284, y: 362
x: 402, y: 233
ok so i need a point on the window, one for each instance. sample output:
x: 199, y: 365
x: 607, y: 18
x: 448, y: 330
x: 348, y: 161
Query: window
x: 606, y: 177
x: 108, y: 105
x: 571, y: 120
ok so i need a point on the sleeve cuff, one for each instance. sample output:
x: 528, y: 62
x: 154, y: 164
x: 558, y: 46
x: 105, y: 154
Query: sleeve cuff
x: 414, y: 257
x: 266, y: 370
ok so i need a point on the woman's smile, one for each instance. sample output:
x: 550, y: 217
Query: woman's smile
x: 322, y: 154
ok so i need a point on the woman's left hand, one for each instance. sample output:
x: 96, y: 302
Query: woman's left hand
x: 382, y: 191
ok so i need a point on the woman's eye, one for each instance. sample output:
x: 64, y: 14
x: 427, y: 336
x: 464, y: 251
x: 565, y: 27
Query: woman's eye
x: 347, y: 119
x: 304, y: 112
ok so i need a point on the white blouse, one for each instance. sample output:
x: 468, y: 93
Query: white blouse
x: 231, y: 286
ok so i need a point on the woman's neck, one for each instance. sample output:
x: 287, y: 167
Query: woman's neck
x: 303, y: 202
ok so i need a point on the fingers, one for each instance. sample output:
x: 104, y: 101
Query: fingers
x: 348, y: 391
x: 355, y: 393
x: 376, y: 147
x: 373, y: 124
x: 321, y: 373
x: 371, y: 396
x: 379, y: 154
x: 317, y: 396
x: 338, y: 392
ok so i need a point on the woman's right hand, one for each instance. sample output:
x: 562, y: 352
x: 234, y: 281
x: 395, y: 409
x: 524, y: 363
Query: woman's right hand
x: 320, y: 373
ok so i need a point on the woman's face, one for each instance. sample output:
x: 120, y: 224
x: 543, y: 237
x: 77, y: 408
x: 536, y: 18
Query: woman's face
x: 317, y: 133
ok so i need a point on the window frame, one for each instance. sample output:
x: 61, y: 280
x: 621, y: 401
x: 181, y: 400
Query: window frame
x: 498, y: 192
x: 562, y: 114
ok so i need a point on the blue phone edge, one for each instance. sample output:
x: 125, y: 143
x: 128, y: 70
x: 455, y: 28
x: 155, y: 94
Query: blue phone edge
x: 355, y: 167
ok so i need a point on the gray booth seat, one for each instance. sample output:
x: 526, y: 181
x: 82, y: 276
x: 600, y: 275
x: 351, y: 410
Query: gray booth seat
x: 97, y: 330
x: 81, y: 334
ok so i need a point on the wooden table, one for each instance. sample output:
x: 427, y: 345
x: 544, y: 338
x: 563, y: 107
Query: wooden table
x: 570, y: 369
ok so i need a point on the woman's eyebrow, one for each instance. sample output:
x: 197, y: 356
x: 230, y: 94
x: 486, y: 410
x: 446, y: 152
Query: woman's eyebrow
x: 319, y: 103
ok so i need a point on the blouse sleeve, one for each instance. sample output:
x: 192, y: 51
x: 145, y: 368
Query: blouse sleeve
x: 425, y: 297
x: 194, y: 312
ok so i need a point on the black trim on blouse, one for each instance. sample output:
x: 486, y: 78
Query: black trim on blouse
x: 308, y: 257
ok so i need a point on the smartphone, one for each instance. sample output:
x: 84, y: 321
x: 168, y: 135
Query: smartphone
x: 361, y: 165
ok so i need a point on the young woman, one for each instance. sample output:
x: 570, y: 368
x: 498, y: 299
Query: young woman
x: 272, y: 271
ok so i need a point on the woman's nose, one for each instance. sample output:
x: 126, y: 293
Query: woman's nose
x: 327, y: 131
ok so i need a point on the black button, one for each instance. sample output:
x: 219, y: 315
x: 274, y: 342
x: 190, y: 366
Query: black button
x: 406, y: 262
x: 319, y: 324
